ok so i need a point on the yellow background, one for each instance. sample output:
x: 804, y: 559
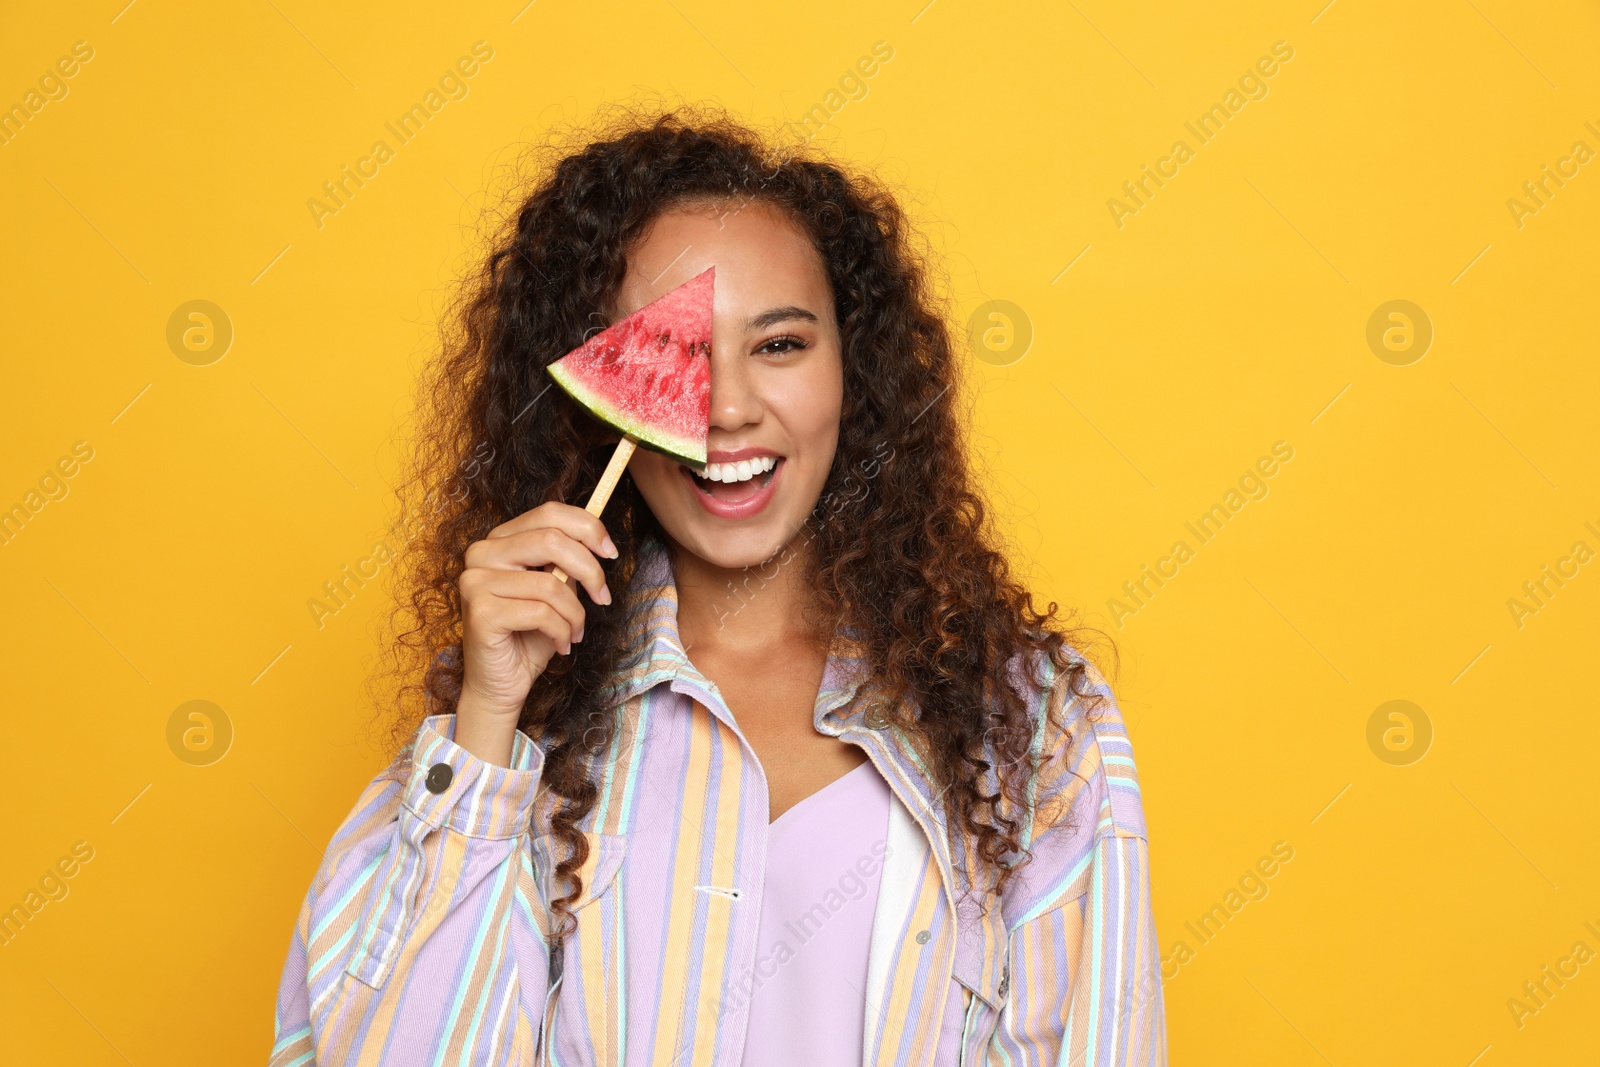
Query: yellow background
x: 1228, y: 313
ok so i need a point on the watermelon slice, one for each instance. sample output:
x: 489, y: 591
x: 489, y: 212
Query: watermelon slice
x: 649, y: 375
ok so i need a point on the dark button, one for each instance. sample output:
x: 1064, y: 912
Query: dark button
x: 439, y: 777
x: 923, y: 937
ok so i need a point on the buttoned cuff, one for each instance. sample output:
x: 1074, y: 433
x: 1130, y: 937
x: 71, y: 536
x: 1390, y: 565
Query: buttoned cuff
x: 450, y: 787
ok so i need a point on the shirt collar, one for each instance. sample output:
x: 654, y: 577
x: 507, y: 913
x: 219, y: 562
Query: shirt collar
x: 662, y: 658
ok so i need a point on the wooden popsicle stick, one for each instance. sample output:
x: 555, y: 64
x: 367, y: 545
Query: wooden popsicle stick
x: 608, y: 483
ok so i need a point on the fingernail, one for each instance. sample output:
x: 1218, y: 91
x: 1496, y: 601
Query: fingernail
x: 608, y: 549
x: 568, y: 650
x: 605, y: 594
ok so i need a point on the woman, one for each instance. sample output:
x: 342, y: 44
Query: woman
x: 824, y: 788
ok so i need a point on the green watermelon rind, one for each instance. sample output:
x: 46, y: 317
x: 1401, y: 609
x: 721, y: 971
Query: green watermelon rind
x: 683, y: 449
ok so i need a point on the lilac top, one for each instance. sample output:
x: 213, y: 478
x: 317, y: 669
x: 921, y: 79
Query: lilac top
x: 824, y: 855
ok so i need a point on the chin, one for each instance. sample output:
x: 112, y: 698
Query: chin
x: 731, y: 549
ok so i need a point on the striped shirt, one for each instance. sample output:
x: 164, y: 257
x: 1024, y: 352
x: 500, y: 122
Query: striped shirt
x: 422, y: 939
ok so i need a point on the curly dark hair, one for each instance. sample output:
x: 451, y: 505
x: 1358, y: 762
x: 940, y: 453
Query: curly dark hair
x: 914, y: 563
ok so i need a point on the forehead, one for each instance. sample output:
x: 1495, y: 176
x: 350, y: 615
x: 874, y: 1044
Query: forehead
x: 763, y: 259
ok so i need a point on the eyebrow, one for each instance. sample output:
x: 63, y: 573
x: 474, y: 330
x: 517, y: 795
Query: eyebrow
x: 773, y: 316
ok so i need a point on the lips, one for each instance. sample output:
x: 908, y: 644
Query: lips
x: 734, y: 456
x: 735, y: 500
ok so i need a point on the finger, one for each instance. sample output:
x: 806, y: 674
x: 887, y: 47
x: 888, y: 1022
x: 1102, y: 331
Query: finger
x: 536, y: 586
x: 539, y: 548
x: 575, y: 522
x: 503, y: 615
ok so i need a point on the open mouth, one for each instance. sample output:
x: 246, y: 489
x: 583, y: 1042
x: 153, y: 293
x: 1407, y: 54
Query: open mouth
x: 734, y: 483
x: 735, y: 490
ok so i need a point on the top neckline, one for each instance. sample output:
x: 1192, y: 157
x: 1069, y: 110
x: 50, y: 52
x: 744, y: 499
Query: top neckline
x: 803, y: 801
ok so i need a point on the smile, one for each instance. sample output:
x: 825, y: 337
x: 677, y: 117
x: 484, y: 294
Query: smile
x: 735, y: 490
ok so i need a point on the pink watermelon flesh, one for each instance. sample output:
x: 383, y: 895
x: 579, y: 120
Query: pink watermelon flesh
x: 649, y: 375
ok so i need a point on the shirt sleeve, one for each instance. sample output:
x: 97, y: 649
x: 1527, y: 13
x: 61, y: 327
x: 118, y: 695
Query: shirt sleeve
x: 1085, y: 964
x: 421, y: 938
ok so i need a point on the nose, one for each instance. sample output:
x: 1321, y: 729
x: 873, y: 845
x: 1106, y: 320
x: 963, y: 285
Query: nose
x: 734, y: 402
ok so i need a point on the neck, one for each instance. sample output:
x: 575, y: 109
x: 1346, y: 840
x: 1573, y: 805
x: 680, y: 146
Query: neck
x: 742, y: 609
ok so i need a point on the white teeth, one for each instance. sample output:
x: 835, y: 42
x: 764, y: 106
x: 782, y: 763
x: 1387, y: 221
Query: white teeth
x: 742, y: 471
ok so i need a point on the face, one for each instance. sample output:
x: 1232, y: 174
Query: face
x: 776, y: 380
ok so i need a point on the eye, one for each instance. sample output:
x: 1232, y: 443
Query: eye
x: 787, y: 343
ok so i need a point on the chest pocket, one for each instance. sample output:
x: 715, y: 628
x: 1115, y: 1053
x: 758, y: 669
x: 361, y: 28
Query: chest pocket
x: 586, y: 977
x: 599, y: 872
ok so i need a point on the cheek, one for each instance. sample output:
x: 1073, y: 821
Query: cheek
x: 654, y: 474
x: 810, y: 409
